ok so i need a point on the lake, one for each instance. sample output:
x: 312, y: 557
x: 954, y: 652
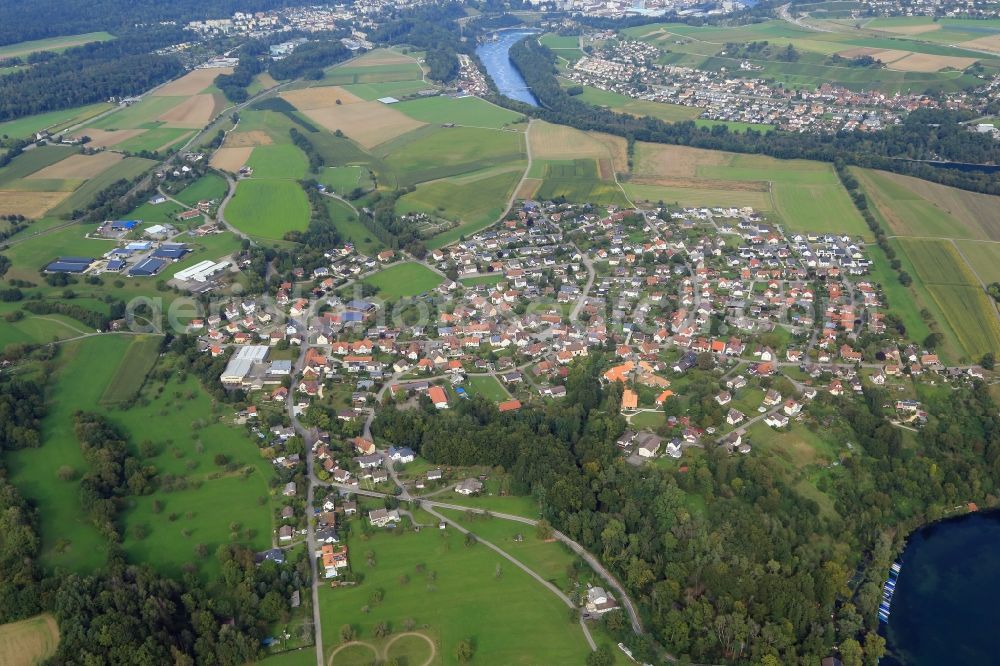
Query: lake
x: 495, y: 57
x: 944, y: 610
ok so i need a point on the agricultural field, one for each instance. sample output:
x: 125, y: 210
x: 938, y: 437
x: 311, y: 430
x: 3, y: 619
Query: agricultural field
x: 342, y: 180
x: 192, y: 83
x: 404, y: 280
x: 578, y: 180
x: 433, y: 153
x: 367, y: 123
x: 130, y: 167
x: 806, y: 196
x: 139, y: 359
x: 983, y: 258
x: 526, y: 622
x: 268, y: 208
x: 283, y: 161
x: 559, y: 142
x: 210, y: 187
x: 28, y: 642
x: 635, y: 107
x: 54, y: 44
x: 351, y: 229
x: 378, y: 66
x: 487, y: 386
x: 474, y: 201
x: 52, y: 120
x: 159, y: 139
x: 466, y: 111
x: 556, y: 42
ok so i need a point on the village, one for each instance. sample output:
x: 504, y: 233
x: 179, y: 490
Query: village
x: 717, y: 306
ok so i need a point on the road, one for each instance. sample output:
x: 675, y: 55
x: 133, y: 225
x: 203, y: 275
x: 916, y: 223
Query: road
x: 574, y: 315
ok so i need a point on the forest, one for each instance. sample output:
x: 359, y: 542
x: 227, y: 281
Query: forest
x: 926, y: 134
x: 728, y: 562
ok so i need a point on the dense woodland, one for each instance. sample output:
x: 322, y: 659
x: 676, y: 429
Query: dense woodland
x: 924, y: 135
x: 91, y: 73
x: 730, y: 563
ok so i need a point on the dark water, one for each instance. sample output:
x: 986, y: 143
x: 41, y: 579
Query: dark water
x: 498, y: 65
x: 945, y: 609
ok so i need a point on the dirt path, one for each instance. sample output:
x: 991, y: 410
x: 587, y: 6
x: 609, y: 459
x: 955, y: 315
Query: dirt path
x: 383, y: 654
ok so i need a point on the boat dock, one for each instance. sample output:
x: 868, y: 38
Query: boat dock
x: 888, y: 589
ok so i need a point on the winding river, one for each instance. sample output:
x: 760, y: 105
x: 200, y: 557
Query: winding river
x: 495, y: 56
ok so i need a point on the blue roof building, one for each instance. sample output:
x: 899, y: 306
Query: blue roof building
x: 147, y: 267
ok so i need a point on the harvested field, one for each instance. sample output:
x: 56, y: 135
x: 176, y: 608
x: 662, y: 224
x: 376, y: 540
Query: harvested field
x: 79, y: 166
x: 28, y: 642
x: 991, y: 43
x: 368, y: 123
x: 559, y: 142
x: 605, y: 169
x: 29, y: 204
x: 250, y: 139
x: 380, y: 57
x: 704, y: 184
x: 308, y: 99
x: 192, y: 113
x: 884, y: 56
x: 911, y: 29
x: 191, y: 83
x: 663, y: 161
x: 618, y: 148
x: 923, y: 62
x: 231, y: 159
x: 528, y: 188
x: 105, y: 138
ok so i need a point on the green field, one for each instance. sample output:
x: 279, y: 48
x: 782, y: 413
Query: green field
x: 130, y: 167
x: 34, y: 160
x: 141, y: 115
x: 554, y: 41
x: 474, y: 201
x: 402, y: 280
x: 278, y: 161
x: 132, y: 370
x: 577, y: 181
x: 351, y: 229
x: 37, y: 328
x: 487, y: 386
x: 468, y: 111
x: 636, y: 107
x: 511, y: 619
x: 430, y: 153
x: 268, y: 208
x: 210, y: 187
x: 55, y: 44
x: 349, y: 73
x: 157, y: 139
x: 343, y: 179
x: 983, y: 258
x: 23, y: 127
x: 397, y: 89
x: 698, y: 197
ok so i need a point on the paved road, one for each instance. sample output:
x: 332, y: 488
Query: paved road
x: 574, y: 315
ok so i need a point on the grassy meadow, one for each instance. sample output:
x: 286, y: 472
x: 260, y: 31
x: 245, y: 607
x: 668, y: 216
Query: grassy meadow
x: 403, y: 280
x: 268, y: 208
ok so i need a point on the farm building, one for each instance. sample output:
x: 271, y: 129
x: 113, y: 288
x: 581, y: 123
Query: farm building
x: 69, y: 265
x: 147, y: 267
x: 172, y: 251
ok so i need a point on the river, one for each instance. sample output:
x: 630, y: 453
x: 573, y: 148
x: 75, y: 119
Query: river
x: 495, y: 57
x: 944, y: 610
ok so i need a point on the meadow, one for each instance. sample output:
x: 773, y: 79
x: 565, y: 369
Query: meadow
x: 155, y: 140
x: 37, y: 328
x: 404, y: 280
x: 467, y: 111
x: 54, y: 44
x: 983, y: 258
x: 284, y: 161
x: 351, y: 229
x: 487, y: 386
x: 268, y: 208
x: 432, y: 153
x: 139, y: 359
x: 512, y: 619
x: 210, y: 187
x: 342, y: 180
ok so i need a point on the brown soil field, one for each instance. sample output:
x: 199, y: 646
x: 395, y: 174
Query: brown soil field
x: 78, y: 166
x: 703, y: 184
x: 884, y: 56
x: 28, y: 642
x: 308, y: 99
x: 655, y: 160
x: 558, y: 142
x: 29, y: 204
x: 912, y: 29
x: 231, y: 159
x: 191, y: 83
x: 605, y: 169
x: 618, y: 147
x: 368, y: 123
x: 100, y: 138
x: 380, y: 57
x: 528, y: 188
x: 192, y: 113
x: 922, y: 62
x: 991, y: 43
x: 247, y: 139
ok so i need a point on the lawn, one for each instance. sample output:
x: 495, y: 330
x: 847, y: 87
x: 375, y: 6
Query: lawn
x: 132, y: 370
x: 210, y: 187
x: 474, y: 202
x: 268, y: 208
x: 487, y: 386
x: 30, y: 641
x: 403, y: 280
x: 525, y: 623
x: 651, y: 420
x: 469, y: 111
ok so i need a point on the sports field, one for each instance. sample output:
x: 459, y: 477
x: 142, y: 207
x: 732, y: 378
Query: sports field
x: 487, y: 386
x: 526, y: 623
x: 28, y: 642
x: 268, y: 208
x: 404, y: 280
